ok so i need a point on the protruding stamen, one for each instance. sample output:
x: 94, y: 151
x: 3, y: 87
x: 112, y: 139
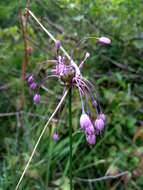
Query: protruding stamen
x: 85, y: 58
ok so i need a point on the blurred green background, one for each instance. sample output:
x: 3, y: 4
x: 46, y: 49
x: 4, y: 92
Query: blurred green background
x: 115, y: 70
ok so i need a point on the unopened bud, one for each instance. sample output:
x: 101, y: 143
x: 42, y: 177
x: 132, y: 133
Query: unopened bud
x: 55, y: 136
x: 85, y: 121
x: 104, y: 40
x: 33, y: 86
x: 99, y: 124
x: 91, y: 139
x: 89, y: 130
x: 37, y: 98
x: 102, y: 116
x: 57, y: 44
x: 30, y: 79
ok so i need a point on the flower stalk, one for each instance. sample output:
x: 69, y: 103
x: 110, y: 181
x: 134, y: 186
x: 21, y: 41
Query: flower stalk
x: 70, y: 136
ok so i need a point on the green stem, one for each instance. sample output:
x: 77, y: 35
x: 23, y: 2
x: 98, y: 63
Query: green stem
x: 70, y: 136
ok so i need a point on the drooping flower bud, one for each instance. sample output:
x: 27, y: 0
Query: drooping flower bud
x: 104, y: 40
x: 102, y: 116
x: 91, y: 139
x: 37, y: 98
x: 57, y: 44
x: 55, y: 136
x: 99, y: 124
x: 87, y: 55
x: 89, y: 130
x: 94, y: 103
x: 33, y: 86
x: 30, y: 79
x: 85, y: 121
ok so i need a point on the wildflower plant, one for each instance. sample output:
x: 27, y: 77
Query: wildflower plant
x: 69, y: 74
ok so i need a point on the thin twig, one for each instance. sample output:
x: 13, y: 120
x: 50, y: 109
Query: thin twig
x: 37, y: 143
x: 120, y: 65
x: 23, y: 22
x: 101, y: 178
x: 10, y: 114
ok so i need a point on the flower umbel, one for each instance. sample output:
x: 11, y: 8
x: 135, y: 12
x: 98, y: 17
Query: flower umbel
x: 70, y: 77
x: 69, y: 74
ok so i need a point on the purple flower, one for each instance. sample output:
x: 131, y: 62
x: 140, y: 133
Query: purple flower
x: 57, y: 44
x: 91, y: 139
x: 104, y: 40
x: 85, y: 121
x: 55, y: 136
x: 99, y: 124
x: 89, y: 130
x: 37, y: 98
x: 33, y: 85
x: 59, y: 68
x: 30, y: 79
x: 102, y: 116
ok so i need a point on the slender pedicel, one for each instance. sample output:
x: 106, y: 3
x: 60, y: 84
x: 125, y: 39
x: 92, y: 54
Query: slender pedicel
x: 46, y: 78
x: 87, y: 55
x: 82, y: 104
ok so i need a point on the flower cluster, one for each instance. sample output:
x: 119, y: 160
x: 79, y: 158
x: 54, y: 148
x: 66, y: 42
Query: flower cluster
x: 92, y: 128
x: 33, y: 86
x: 70, y: 76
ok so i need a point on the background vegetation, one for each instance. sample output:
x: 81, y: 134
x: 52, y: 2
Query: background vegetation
x: 117, y: 73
